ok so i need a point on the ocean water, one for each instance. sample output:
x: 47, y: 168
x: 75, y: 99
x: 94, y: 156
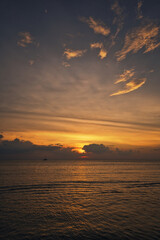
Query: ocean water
x: 79, y: 200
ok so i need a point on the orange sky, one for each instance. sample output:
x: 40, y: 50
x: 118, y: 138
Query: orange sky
x: 81, y: 75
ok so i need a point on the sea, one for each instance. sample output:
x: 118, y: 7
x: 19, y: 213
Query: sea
x: 81, y: 199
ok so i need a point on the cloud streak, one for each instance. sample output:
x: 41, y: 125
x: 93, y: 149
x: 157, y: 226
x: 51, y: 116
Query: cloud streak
x: 145, y: 36
x: 98, y: 26
x: 102, y: 53
x: 69, y: 53
x: 126, y: 75
x: 119, y: 17
x: 14, y: 114
x: 130, y: 86
x: 139, y: 11
x: 25, y: 40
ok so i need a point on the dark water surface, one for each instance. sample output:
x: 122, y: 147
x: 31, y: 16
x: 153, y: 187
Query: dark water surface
x: 79, y: 200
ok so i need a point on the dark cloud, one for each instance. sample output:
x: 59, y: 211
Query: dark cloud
x: 27, y: 150
x: 157, y: 149
x: 102, y: 152
x: 95, y: 148
x: 123, y: 153
x: 1, y: 136
x: 18, y: 145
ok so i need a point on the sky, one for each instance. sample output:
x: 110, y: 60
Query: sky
x: 80, y: 78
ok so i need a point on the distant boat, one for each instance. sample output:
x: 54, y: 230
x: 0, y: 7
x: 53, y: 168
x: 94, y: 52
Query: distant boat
x: 45, y: 159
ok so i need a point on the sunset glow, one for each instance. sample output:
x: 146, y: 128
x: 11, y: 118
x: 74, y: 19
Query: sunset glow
x: 96, y: 82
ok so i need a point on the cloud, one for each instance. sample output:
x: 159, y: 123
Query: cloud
x: 27, y: 150
x: 157, y: 149
x: 26, y: 39
x: 15, y: 146
x: 116, y: 9
x: 139, y: 12
x: 66, y: 64
x: 95, y: 148
x: 145, y: 36
x: 98, y: 26
x: 96, y: 45
x: 126, y: 75
x: 119, y: 17
x: 102, y: 152
x: 73, y: 53
x: 1, y: 136
x: 130, y: 86
x: 31, y: 62
x: 102, y: 53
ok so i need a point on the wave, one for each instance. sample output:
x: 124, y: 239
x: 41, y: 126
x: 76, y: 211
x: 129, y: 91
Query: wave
x: 79, y: 184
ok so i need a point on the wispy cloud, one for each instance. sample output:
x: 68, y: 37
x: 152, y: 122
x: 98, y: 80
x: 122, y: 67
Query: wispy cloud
x: 145, y: 36
x: 69, y: 53
x: 66, y: 64
x: 130, y: 86
x: 125, y: 76
x: 103, y: 52
x: 96, y: 45
x: 25, y: 40
x: 119, y: 17
x: 139, y: 11
x: 98, y: 26
x: 31, y: 62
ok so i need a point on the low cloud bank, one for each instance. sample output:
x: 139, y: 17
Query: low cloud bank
x: 25, y: 150
x: 20, y: 149
x: 102, y: 152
